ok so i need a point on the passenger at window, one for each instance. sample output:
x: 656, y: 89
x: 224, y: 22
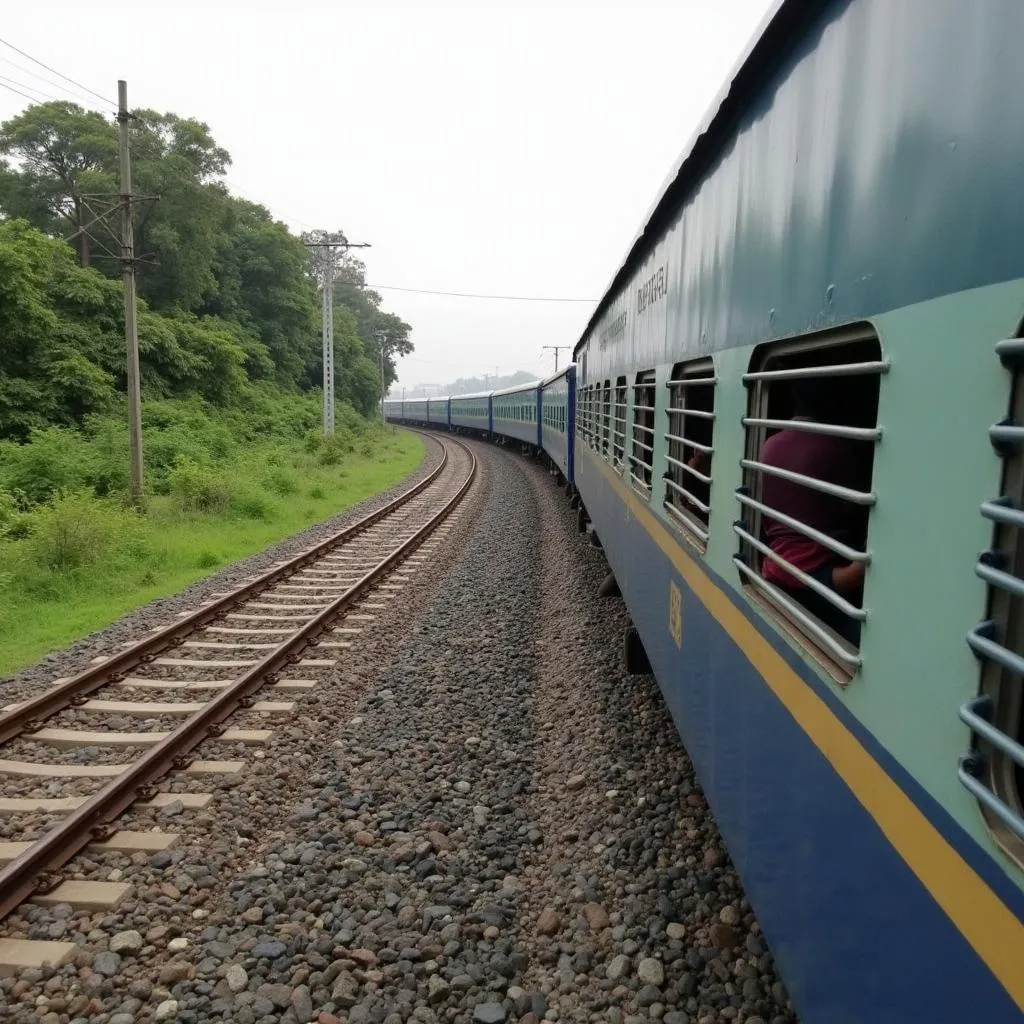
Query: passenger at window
x: 834, y: 460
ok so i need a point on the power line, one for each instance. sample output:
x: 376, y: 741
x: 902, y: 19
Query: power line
x: 10, y: 88
x: 42, y: 78
x: 59, y: 74
x: 31, y: 88
x: 475, y: 295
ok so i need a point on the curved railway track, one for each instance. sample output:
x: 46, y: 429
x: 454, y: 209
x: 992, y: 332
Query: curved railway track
x: 238, y: 643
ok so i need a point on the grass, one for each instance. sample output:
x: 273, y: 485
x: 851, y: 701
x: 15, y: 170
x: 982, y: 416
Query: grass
x: 86, y: 561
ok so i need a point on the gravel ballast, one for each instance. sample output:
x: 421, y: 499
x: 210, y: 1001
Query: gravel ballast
x: 489, y: 823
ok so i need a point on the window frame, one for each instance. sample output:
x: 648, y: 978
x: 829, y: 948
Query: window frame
x: 678, y: 499
x: 645, y: 383
x: 993, y: 770
x: 830, y: 651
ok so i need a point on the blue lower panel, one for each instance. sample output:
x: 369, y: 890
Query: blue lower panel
x: 518, y: 429
x: 858, y: 938
x: 555, y: 445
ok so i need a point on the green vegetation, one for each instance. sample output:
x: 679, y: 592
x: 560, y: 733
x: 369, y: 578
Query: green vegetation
x: 230, y: 353
x: 75, y: 560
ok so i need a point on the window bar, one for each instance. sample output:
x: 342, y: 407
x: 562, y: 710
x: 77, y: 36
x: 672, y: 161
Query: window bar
x: 793, y: 609
x: 690, y: 524
x: 686, y: 494
x: 846, y: 493
x: 808, y: 581
x: 839, y: 370
x: 850, y: 554
x: 826, y: 429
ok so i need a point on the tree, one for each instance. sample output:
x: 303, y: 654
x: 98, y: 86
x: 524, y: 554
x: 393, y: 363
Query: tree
x: 63, y: 153
x: 263, y: 284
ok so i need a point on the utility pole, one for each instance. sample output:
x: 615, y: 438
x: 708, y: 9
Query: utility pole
x: 330, y: 253
x: 131, y: 335
x: 557, y: 349
x: 382, y: 340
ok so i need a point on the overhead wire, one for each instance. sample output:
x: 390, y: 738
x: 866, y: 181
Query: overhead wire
x: 42, y: 78
x: 10, y: 88
x: 60, y: 74
x: 477, y: 295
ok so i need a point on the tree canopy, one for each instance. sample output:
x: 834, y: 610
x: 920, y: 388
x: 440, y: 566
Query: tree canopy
x: 228, y: 295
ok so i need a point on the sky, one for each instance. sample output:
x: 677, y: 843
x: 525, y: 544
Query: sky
x: 485, y: 148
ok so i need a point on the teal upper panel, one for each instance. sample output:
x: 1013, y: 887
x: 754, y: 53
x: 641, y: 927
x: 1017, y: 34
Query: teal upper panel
x: 865, y: 160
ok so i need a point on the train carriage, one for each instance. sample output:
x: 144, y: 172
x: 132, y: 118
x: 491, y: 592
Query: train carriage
x: 437, y: 411
x: 415, y: 410
x: 471, y: 412
x: 849, y: 214
x: 514, y: 412
x: 557, y: 399
x: 393, y: 410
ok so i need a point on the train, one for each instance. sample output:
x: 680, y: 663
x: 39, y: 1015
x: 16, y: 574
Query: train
x: 847, y: 218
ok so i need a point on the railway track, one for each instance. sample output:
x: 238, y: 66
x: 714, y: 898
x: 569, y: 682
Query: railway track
x: 194, y: 674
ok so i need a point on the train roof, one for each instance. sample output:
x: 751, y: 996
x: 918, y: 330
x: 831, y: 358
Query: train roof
x: 475, y: 394
x: 768, y: 46
x: 530, y: 385
x: 557, y: 374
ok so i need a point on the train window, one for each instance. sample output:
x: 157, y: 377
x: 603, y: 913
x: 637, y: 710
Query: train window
x: 811, y: 431
x: 690, y: 437
x: 619, y: 422
x: 994, y: 769
x: 642, y: 456
x: 606, y: 419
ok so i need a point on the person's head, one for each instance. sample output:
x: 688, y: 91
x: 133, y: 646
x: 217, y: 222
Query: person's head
x: 811, y: 397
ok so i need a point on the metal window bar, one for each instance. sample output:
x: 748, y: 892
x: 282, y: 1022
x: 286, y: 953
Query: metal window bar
x: 690, y: 523
x: 709, y: 449
x: 993, y: 640
x: 811, y: 427
x: 680, y: 489
x: 685, y: 437
x: 643, y: 423
x: 808, y: 581
x: 687, y: 468
x: 794, y: 611
x: 843, y: 550
x: 700, y: 414
x: 763, y: 424
x: 839, y: 370
x: 846, y: 493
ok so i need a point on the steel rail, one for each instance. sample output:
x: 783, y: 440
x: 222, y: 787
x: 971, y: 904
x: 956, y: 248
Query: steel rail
x: 31, y: 871
x: 29, y: 715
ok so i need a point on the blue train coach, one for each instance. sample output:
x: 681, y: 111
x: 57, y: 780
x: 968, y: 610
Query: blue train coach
x: 849, y: 215
x: 471, y: 412
x: 514, y: 413
x: 437, y: 411
x: 558, y: 414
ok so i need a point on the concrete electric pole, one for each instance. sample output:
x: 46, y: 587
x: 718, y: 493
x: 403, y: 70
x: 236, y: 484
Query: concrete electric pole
x: 329, y: 255
x: 557, y: 349
x: 131, y: 335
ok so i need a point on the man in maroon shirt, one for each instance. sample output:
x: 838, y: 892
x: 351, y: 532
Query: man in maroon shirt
x: 835, y: 460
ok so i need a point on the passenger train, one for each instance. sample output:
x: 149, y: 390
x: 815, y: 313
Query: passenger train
x: 850, y: 213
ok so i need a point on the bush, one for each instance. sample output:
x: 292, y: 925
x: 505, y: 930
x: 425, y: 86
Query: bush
x: 252, y: 506
x: 281, y: 481
x: 14, y: 523
x: 198, y: 489
x: 53, y: 460
x: 77, y: 529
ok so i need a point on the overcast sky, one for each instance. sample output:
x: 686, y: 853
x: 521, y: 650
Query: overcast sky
x: 508, y: 149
